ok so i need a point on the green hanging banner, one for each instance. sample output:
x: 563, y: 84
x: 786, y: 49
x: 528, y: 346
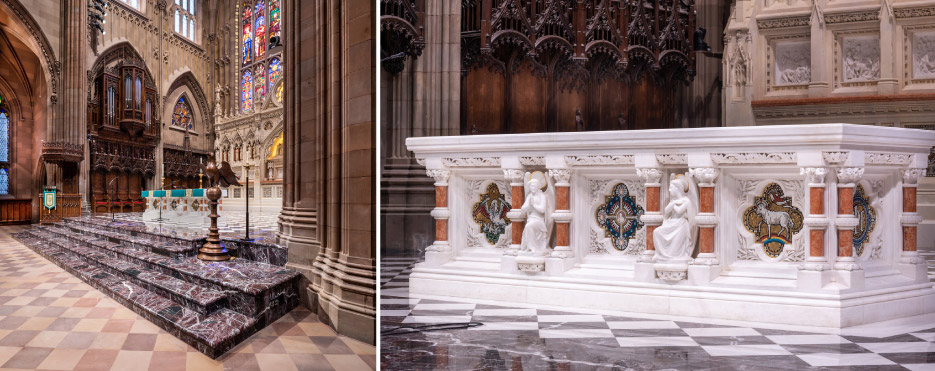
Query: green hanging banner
x: 48, y: 198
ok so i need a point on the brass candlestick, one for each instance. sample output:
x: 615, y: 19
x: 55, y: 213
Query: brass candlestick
x: 212, y: 249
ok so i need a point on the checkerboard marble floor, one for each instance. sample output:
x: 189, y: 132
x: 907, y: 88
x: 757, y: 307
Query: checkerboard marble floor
x: 51, y: 320
x: 513, y: 337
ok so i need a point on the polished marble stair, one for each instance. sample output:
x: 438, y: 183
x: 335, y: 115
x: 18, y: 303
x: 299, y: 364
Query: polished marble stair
x: 210, y: 305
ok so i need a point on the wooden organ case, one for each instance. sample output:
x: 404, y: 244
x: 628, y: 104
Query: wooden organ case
x: 123, y: 127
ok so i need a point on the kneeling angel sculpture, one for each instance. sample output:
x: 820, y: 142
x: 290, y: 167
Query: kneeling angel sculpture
x: 538, y: 208
x: 675, y: 239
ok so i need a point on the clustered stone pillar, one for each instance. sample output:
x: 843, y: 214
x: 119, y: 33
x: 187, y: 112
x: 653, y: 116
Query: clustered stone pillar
x: 816, y: 220
x: 515, y: 176
x: 652, y: 218
x: 706, y: 218
x: 562, y: 214
x: 910, y: 218
x: 845, y: 222
x: 440, y: 212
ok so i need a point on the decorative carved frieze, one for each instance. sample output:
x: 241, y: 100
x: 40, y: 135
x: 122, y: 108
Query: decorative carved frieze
x: 878, y: 158
x: 532, y: 160
x: 471, y: 161
x: 835, y: 157
x: 672, y: 158
x: 852, y: 17
x: 915, y: 12
x: 754, y: 158
x: 598, y: 160
x: 785, y: 22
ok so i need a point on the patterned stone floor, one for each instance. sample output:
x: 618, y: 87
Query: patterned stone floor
x: 514, y: 337
x: 51, y: 320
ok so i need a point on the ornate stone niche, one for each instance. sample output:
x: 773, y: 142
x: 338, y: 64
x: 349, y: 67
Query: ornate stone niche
x: 789, y: 63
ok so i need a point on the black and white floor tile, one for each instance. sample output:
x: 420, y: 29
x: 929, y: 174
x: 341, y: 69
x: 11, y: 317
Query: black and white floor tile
x: 515, y: 338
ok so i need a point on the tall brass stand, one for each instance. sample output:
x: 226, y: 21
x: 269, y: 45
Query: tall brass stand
x: 212, y: 250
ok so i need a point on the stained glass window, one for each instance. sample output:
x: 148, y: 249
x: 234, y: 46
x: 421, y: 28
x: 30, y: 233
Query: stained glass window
x: 279, y: 94
x: 139, y: 93
x: 260, y: 83
x: 4, y: 137
x: 247, y: 43
x: 247, y: 91
x: 4, y: 150
x: 182, y: 115
x: 275, y: 70
x: 260, y: 29
x: 275, y: 23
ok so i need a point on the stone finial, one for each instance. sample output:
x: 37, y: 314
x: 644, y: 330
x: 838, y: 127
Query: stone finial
x: 561, y: 176
x: 911, y: 176
x: 849, y: 175
x: 650, y: 176
x: 440, y: 176
x: 814, y: 175
x: 704, y: 175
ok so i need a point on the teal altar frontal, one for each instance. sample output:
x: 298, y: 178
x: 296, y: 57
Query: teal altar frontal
x: 184, y: 205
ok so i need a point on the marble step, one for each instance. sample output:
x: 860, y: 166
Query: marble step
x: 212, y: 334
x: 200, y: 299
x: 163, y: 245
x: 263, y: 291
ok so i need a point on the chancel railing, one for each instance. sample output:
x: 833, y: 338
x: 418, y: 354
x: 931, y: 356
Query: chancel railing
x: 811, y: 225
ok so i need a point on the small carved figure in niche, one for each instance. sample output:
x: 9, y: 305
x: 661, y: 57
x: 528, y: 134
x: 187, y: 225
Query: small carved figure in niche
x: 675, y: 238
x: 538, y: 208
x: 579, y: 122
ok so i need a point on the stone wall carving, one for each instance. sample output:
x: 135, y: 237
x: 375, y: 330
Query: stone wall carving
x: 793, y: 62
x: 861, y: 58
x: 923, y: 55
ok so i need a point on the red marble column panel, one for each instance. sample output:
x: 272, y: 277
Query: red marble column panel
x: 816, y: 242
x: 816, y: 201
x: 846, y: 201
x: 706, y: 240
x: 441, y: 196
x: 707, y: 199
x: 649, y: 238
x: 909, y: 199
x: 652, y: 199
x: 845, y: 243
x: 909, y: 238
x: 517, y: 193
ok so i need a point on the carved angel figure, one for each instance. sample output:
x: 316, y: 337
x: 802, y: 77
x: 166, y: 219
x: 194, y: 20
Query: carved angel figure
x: 674, y: 240
x: 538, y: 207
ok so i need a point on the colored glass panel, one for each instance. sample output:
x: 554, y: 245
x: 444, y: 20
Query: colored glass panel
x: 275, y: 70
x: 260, y: 83
x: 182, y: 115
x: 246, y: 92
x: 247, y: 11
x: 4, y: 137
x: 247, y: 43
x: 279, y: 94
x: 275, y: 20
x: 260, y: 43
x: 4, y: 182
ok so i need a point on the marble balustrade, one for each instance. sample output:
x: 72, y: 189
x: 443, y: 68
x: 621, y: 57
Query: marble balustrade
x: 799, y: 224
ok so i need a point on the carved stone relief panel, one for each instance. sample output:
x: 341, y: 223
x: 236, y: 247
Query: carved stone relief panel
x: 792, y: 63
x: 771, y: 220
x: 923, y: 55
x: 860, y: 58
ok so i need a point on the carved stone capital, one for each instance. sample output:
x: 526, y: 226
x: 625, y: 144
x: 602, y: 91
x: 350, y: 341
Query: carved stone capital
x: 704, y: 175
x: 911, y: 176
x: 561, y: 176
x: 849, y: 175
x: 814, y: 175
x: 515, y: 176
x: 650, y: 176
x: 440, y: 176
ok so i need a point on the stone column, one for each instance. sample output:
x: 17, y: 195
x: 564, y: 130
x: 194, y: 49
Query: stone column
x: 816, y: 220
x: 652, y: 218
x: 515, y: 176
x: 706, y: 218
x: 845, y: 222
x: 328, y: 220
x: 440, y: 212
x: 910, y: 217
x: 562, y: 215
x: 75, y: 87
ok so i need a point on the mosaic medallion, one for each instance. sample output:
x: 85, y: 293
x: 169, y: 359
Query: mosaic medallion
x: 490, y: 213
x: 619, y: 216
x: 866, y: 219
x: 773, y: 220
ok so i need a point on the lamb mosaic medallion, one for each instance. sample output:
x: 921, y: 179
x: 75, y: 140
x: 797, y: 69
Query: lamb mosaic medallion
x: 773, y: 219
x: 866, y: 219
x: 619, y: 216
x: 490, y: 213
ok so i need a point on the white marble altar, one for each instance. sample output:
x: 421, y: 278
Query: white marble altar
x: 810, y: 225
